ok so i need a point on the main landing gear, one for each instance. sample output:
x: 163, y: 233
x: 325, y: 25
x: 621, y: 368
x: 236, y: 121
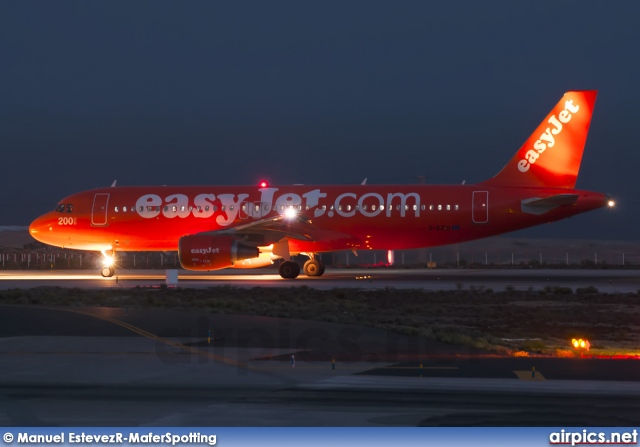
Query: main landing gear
x: 107, y: 264
x: 313, y: 267
x: 291, y: 270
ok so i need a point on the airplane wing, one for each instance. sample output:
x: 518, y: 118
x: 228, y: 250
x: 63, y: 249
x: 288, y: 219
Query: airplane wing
x: 274, y: 229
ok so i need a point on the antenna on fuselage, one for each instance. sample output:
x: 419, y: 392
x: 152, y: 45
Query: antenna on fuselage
x: 364, y: 182
x: 113, y: 185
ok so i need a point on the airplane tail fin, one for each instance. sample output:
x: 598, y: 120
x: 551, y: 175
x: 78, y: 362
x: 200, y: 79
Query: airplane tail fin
x: 551, y: 156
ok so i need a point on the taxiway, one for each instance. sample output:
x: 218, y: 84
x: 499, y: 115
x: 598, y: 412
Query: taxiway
x: 605, y: 280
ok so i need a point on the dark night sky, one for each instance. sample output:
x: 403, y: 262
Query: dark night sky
x: 204, y: 92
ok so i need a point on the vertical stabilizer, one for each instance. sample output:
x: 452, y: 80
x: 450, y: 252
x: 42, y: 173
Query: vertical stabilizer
x: 551, y: 156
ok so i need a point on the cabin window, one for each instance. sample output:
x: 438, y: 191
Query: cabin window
x: 115, y: 209
x: 439, y: 207
x: 456, y: 207
x: 206, y: 208
x: 423, y: 207
x: 174, y: 208
x: 430, y: 207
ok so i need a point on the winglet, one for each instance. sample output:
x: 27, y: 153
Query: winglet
x: 551, y: 156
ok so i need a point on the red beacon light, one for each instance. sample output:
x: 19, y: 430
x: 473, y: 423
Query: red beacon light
x: 263, y: 184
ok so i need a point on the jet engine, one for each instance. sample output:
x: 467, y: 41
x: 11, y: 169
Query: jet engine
x: 203, y: 252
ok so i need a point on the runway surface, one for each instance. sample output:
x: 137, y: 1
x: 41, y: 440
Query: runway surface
x: 622, y: 281
x: 120, y: 367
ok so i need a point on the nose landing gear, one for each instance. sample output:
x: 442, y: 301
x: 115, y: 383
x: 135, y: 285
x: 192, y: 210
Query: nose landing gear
x: 107, y: 264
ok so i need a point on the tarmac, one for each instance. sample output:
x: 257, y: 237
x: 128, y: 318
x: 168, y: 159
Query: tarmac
x: 120, y: 367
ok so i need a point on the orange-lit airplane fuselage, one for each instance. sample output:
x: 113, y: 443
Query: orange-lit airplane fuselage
x: 370, y: 217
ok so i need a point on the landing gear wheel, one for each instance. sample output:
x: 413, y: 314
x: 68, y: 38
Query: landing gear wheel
x: 313, y: 267
x: 107, y: 272
x: 289, y: 270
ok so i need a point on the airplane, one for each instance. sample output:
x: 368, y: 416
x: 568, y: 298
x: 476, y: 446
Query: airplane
x: 216, y: 227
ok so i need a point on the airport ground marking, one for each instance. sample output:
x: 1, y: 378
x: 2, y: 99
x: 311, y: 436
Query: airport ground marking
x: 165, y: 341
x: 527, y: 375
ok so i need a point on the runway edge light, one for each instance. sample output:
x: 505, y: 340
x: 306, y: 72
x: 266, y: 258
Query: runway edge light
x: 581, y: 344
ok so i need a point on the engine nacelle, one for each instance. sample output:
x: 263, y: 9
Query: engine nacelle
x: 203, y: 252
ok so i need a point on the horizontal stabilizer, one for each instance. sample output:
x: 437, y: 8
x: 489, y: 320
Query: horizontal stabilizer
x: 537, y: 205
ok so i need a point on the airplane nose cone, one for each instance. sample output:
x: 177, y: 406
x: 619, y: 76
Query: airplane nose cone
x: 39, y: 228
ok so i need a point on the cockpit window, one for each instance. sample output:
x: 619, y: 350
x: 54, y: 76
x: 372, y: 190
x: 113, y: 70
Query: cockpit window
x: 64, y: 208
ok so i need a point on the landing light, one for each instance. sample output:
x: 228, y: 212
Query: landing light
x: 611, y: 203
x: 107, y: 261
x: 290, y: 213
